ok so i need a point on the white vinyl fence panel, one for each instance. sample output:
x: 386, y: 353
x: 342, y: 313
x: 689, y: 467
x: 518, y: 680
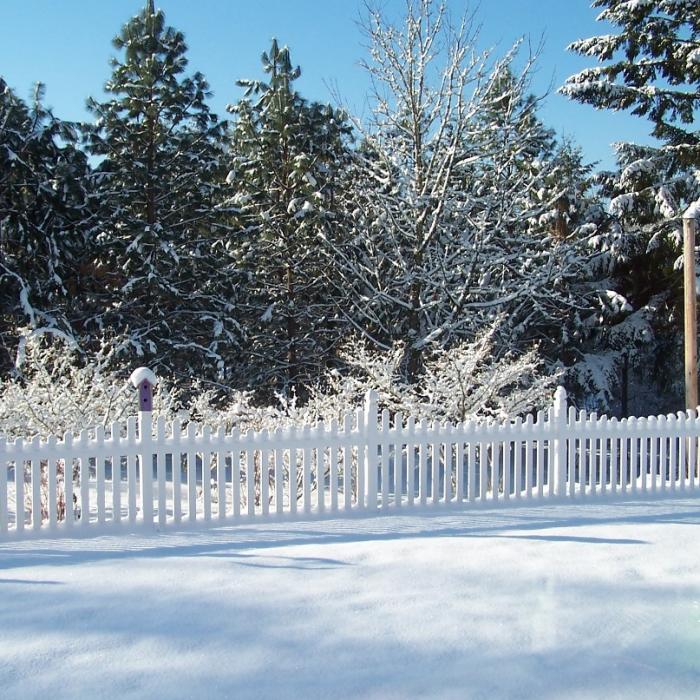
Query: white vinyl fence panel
x: 167, y: 473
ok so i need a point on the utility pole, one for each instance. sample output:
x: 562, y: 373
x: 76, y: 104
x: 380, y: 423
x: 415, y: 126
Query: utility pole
x: 690, y: 306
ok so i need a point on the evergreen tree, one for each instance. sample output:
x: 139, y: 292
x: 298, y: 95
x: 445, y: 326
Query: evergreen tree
x: 43, y: 220
x: 287, y: 154
x: 165, y: 286
x: 650, y: 66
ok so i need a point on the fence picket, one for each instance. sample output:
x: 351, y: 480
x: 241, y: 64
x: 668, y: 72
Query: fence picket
x: 116, y: 473
x: 410, y: 461
x: 483, y: 471
x: 306, y: 477
x: 360, y: 467
x: 614, y: 468
x: 448, y: 462
x: 249, y: 461
x: 603, y: 453
x: 673, y: 454
x: 423, y: 463
x: 178, y: 434
x: 67, y: 480
x: 131, y: 469
x: 293, y: 490
x: 371, y: 451
x: 160, y: 473
x: 265, y: 480
x: 19, y: 488
x: 206, y: 473
x: 192, y: 473
x: 384, y: 463
x: 471, y: 470
x: 36, y: 486
x: 518, y: 459
x: 235, y: 477
x: 100, y: 474
x: 540, y: 454
x: 84, y: 480
x: 279, y: 474
x: 654, y: 452
x: 495, y: 466
x: 569, y: 477
x: 643, y: 454
x: 435, y: 467
x: 460, y: 471
x: 528, y: 446
x: 398, y: 461
x: 4, y: 500
x: 51, y: 485
x: 634, y: 478
x: 662, y: 452
x: 505, y: 447
x: 347, y: 462
x: 221, y: 490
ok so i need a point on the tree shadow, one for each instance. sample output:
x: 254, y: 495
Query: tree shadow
x: 232, y: 539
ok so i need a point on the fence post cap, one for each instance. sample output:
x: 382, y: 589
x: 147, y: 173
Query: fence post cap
x: 371, y: 396
x: 141, y: 374
x: 560, y: 394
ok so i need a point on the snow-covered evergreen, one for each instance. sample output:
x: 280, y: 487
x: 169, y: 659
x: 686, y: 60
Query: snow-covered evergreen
x: 648, y: 66
x: 163, y: 282
x: 286, y: 155
x: 44, y: 218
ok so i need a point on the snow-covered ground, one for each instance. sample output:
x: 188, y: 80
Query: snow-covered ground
x: 577, y: 601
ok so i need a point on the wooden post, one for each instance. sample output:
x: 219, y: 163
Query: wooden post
x: 689, y: 285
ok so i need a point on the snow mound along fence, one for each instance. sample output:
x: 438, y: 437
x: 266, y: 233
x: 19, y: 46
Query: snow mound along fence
x: 150, y: 475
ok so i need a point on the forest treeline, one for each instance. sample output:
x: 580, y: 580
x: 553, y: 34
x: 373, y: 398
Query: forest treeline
x: 292, y: 245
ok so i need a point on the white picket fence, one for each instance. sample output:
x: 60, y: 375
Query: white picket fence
x: 132, y: 474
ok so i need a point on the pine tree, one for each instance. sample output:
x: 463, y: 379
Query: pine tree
x: 165, y: 286
x: 287, y: 154
x: 44, y: 218
x: 650, y: 66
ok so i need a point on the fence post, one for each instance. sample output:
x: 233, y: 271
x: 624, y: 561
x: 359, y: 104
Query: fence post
x: 559, y: 428
x: 144, y: 380
x: 371, y: 437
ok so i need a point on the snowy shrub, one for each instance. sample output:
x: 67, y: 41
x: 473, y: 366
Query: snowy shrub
x: 465, y: 381
x: 54, y: 390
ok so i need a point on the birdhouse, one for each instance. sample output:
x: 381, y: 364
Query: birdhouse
x: 144, y: 380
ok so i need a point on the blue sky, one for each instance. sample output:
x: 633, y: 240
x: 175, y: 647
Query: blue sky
x: 67, y: 45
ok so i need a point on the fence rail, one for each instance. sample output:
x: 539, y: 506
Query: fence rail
x: 169, y: 473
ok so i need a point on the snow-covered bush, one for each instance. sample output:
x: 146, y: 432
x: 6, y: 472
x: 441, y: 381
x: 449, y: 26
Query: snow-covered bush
x: 462, y: 382
x: 53, y: 389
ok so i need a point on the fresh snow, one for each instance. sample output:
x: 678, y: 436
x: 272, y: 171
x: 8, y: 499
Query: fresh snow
x: 141, y: 373
x: 555, y: 601
x: 693, y: 211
